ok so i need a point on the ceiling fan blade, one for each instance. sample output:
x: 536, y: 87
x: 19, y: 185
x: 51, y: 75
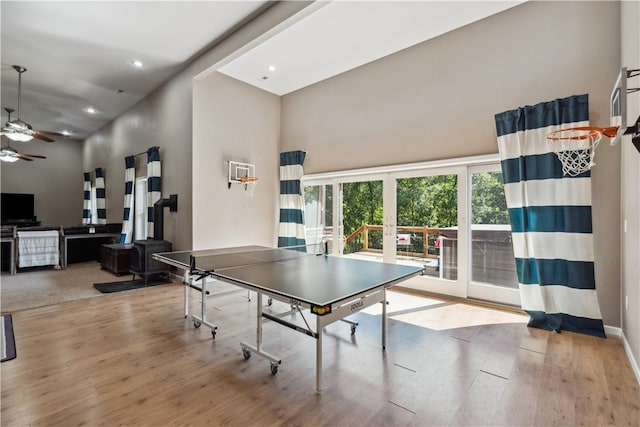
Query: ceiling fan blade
x: 33, y: 156
x: 58, y: 134
x: 38, y: 135
x: 23, y: 157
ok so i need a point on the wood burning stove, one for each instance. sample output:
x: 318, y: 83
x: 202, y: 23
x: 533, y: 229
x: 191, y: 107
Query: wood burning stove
x: 141, y: 262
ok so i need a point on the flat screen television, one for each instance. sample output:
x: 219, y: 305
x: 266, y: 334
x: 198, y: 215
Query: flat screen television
x: 16, y: 207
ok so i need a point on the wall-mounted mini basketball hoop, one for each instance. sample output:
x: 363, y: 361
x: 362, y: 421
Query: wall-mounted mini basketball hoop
x: 575, y: 146
x: 243, y: 173
x: 618, y: 102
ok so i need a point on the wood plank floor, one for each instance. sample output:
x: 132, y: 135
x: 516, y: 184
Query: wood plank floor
x: 133, y: 359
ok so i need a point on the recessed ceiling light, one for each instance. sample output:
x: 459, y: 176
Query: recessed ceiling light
x: 66, y: 132
x: 271, y: 68
x: 90, y: 110
x: 137, y: 63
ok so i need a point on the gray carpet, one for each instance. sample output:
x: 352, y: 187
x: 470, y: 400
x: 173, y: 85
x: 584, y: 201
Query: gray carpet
x: 39, y: 287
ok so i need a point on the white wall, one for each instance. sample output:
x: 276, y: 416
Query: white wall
x: 438, y: 99
x: 165, y: 119
x: 630, y: 198
x: 162, y: 119
x: 234, y: 121
x: 433, y: 101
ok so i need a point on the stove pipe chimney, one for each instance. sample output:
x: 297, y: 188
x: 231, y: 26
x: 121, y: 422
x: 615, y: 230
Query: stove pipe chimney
x: 158, y: 214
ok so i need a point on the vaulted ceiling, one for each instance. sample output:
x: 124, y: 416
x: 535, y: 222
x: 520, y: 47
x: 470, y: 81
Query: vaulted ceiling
x: 80, y: 54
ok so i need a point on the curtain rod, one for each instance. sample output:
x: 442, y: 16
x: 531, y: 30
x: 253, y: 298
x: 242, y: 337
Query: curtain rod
x: 144, y: 152
x: 93, y: 172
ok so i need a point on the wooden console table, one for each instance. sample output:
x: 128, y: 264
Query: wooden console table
x: 113, y: 237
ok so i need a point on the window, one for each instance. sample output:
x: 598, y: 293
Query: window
x: 362, y: 218
x: 448, y: 216
x: 140, y: 209
x: 492, y: 259
x: 94, y: 205
x: 427, y: 213
x: 318, y: 209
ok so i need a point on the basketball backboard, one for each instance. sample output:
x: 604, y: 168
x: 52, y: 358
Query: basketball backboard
x: 618, y: 105
x: 238, y: 172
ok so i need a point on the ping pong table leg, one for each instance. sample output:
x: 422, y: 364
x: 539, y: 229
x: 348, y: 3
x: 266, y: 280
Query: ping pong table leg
x: 202, y: 320
x: 384, y: 318
x: 203, y: 310
x: 186, y: 282
x: 319, y: 328
x: 259, y: 323
x: 248, y: 348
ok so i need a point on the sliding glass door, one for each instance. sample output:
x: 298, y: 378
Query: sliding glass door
x: 362, y: 219
x: 429, y: 209
x: 493, y: 269
x: 318, y: 211
x: 425, y: 207
x: 451, y: 220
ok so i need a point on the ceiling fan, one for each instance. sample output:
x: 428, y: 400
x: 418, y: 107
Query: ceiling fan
x: 10, y: 154
x: 21, y: 131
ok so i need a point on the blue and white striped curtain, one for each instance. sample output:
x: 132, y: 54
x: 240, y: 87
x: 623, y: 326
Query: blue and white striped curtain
x: 550, y: 218
x: 101, y: 194
x: 86, y: 199
x: 127, y: 216
x: 291, y: 228
x: 154, y: 189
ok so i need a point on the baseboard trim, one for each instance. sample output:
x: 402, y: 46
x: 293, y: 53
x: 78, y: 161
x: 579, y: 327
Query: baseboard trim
x: 612, y: 330
x: 632, y: 359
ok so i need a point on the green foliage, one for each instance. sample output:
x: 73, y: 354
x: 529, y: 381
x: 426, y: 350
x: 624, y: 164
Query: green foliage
x: 429, y: 201
x: 489, y: 205
x: 362, y: 204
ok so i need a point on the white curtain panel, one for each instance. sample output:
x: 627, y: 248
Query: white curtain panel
x: 291, y: 225
x: 101, y: 197
x: 129, y: 194
x: 86, y: 199
x: 550, y: 218
x: 154, y: 187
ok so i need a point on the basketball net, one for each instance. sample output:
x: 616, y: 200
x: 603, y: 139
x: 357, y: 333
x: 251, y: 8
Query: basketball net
x: 576, y: 147
x: 249, y: 184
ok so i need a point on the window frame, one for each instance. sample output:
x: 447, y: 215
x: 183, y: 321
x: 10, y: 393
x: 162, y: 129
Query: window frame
x: 462, y: 167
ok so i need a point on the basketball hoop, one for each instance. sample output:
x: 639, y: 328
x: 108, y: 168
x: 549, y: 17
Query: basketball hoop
x: 249, y: 184
x: 575, y: 147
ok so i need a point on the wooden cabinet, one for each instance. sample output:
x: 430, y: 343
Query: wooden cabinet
x: 116, y: 258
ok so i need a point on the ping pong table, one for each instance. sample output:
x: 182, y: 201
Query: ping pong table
x: 329, y: 287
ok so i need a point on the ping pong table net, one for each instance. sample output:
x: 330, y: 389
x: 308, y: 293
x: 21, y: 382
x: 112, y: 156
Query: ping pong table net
x: 220, y: 259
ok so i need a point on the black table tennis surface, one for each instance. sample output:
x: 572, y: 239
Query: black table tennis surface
x: 312, y: 279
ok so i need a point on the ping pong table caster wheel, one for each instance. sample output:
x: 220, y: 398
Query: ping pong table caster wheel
x: 270, y: 301
x: 246, y: 354
x: 274, y: 369
x: 353, y: 329
x: 196, y: 324
x: 213, y: 334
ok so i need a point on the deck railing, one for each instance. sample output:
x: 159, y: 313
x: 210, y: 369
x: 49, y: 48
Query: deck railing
x: 421, y: 243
